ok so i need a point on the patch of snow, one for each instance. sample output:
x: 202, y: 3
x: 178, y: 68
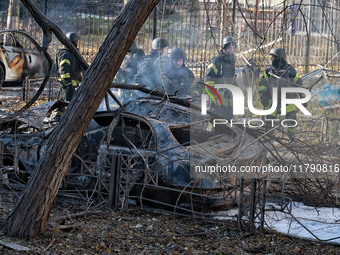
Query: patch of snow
x: 323, y: 222
x: 320, y: 224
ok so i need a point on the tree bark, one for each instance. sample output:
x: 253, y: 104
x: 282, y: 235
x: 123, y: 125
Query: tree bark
x: 30, y: 215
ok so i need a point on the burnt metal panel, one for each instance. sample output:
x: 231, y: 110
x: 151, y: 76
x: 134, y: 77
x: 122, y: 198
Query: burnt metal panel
x: 21, y: 56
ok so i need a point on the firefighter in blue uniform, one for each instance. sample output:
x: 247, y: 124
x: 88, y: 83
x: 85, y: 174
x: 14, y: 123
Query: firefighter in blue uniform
x: 222, y: 70
x: 179, y: 77
x: 146, y: 74
x: 128, y: 69
x: 280, y: 74
x: 70, y: 71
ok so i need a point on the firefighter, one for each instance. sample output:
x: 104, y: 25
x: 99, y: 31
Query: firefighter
x: 70, y: 71
x: 222, y: 70
x: 179, y: 77
x: 145, y: 69
x: 128, y: 69
x: 280, y: 74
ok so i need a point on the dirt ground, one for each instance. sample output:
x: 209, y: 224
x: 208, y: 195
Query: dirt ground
x: 105, y: 231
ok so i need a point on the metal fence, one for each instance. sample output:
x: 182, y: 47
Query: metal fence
x: 198, y: 26
x: 127, y: 184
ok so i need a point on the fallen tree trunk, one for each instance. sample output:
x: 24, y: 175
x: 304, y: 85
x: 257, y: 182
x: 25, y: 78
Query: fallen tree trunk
x: 30, y: 215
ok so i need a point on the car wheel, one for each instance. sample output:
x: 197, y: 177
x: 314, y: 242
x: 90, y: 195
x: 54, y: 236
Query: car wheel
x: 2, y: 75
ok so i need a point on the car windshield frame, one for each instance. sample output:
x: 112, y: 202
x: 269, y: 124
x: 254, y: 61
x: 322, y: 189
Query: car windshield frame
x: 13, y: 32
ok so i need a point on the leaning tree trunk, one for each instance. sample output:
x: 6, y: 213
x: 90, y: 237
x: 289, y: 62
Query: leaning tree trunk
x: 30, y: 215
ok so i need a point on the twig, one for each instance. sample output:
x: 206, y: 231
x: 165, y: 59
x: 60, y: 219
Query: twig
x: 14, y: 246
x: 76, y: 215
x: 50, y: 244
x: 73, y: 226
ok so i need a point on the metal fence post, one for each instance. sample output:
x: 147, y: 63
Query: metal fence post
x: 309, y: 32
x: 154, y: 28
x: 113, y: 182
x: 240, y: 205
x: 252, y: 205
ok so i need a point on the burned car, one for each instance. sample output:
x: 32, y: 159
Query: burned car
x: 23, y: 139
x: 149, y: 152
x: 20, y: 57
x: 154, y: 148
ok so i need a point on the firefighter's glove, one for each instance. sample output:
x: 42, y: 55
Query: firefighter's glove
x: 67, y: 85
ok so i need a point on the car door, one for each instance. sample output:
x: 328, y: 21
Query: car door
x: 11, y: 57
x: 36, y: 64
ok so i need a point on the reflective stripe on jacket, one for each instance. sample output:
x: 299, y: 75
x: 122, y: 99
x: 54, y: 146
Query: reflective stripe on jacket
x: 221, y: 69
x: 70, y: 71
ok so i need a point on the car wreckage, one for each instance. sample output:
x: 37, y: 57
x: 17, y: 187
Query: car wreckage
x: 20, y: 56
x: 146, y: 152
